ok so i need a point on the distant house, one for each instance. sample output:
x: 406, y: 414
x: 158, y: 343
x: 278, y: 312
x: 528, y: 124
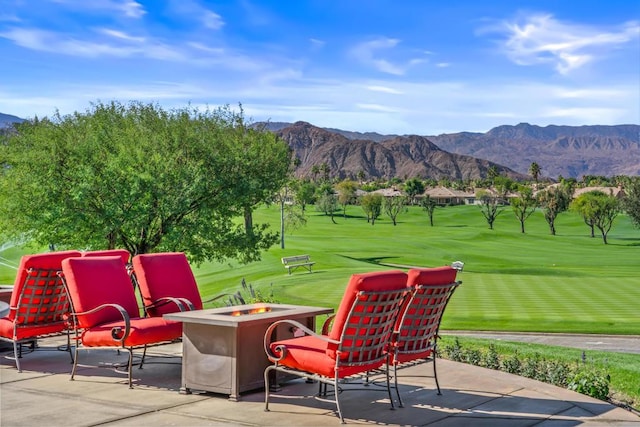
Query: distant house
x: 388, y: 192
x: 445, y: 196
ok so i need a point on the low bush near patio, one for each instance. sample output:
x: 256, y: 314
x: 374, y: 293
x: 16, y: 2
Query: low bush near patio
x: 560, y: 367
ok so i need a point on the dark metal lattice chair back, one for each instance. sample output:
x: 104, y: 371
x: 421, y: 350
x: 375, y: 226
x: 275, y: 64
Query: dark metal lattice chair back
x: 43, y: 300
x: 421, y: 319
x: 367, y: 329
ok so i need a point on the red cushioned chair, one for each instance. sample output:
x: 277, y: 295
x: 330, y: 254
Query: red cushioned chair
x: 39, y: 302
x: 166, y: 283
x: 122, y: 253
x: 357, y: 342
x: 105, y: 309
x: 416, y: 331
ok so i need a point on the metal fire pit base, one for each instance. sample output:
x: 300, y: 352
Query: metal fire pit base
x: 222, y: 348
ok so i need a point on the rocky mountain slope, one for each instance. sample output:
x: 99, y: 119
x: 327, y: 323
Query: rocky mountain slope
x: 568, y: 151
x: 400, y: 156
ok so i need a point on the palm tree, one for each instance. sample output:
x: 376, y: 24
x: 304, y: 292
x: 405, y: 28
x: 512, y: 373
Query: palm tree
x: 534, y: 170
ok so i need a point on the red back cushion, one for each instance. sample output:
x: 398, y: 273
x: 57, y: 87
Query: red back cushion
x: 374, y: 281
x: 96, y: 280
x: 122, y: 253
x: 45, y: 261
x: 432, y: 276
x: 166, y: 275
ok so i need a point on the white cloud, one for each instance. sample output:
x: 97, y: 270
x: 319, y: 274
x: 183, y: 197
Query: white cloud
x: 384, y: 89
x: 128, y: 8
x: 367, y: 53
x: 541, y: 38
x: 212, y: 20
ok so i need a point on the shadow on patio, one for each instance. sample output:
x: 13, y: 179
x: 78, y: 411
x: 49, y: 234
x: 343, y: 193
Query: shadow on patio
x: 43, y: 395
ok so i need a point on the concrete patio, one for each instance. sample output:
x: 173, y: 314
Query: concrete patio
x: 43, y: 395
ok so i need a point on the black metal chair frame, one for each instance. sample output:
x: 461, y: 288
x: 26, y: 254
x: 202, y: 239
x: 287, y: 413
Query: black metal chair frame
x: 417, y: 329
x: 43, y: 301
x: 371, y: 321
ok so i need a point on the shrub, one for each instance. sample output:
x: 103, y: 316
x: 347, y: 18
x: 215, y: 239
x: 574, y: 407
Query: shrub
x: 591, y: 382
x: 512, y: 364
x: 491, y: 358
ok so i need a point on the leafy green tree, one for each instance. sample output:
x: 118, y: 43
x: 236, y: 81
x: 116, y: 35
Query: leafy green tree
x: 372, y: 206
x: 553, y: 201
x: 489, y: 206
x: 327, y: 201
x: 631, y: 201
x: 524, y: 205
x: 429, y: 205
x: 393, y: 206
x: 289, y: 217
x: 142, y: 178
x: 346, y: 194
x: 305, y: 194
x: 598, y: 209
x: 413, y: 187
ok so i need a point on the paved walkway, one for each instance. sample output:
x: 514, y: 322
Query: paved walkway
x: 615, y: 343
x: 42, y: 395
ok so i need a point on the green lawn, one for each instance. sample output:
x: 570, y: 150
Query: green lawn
x: 511, y: 282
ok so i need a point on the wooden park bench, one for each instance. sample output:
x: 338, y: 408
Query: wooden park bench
x: 293, y: 262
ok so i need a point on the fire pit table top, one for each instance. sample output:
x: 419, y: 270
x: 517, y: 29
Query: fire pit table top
x: 246, y: 314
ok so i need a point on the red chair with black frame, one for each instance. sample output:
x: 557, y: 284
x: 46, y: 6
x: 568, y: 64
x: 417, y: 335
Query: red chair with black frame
x: 166, y: 283
x: 357, y: 342
x: 416, y: 331
x: 39, y: 302
x: 106, y: 312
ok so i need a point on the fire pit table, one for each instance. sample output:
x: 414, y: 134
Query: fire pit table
x: 222, y: 348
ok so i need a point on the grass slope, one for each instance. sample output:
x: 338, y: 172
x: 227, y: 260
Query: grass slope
x: 511, y: 282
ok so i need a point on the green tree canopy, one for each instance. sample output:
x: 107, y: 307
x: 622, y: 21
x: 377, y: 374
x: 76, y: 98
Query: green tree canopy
x: 597, y: 209
x: 413, y: 187
x: 372, y: 206
x: 553, y: 201
x: 143, y: 178
x: 524, y: 205
x: 489, y: 206
x: 631, y: 202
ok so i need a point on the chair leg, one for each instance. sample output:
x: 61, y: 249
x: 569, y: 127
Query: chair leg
x: 389, y: 386
x: 266, y: 387
x: 336, y: 392
x: 75, y: 361
x: 435, y: 372
x: 130, y: 350
x: 15, y: 355
x: 144, y: 353
x: 395, y: 382
x: 69, y: 346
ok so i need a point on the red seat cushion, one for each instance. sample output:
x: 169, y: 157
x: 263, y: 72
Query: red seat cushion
x: 309, y: 354
x: 93, y: 281
x: 30, y: 331
x: 164, y: 275
x: 432, y: 276
x: 144, y: 330
x: 122, y: 253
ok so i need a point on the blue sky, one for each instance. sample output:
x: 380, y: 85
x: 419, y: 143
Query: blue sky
x: 405, y: 66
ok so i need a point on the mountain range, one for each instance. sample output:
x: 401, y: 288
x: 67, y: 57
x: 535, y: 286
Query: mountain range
x: 560, y: 151
x: 567, y: 151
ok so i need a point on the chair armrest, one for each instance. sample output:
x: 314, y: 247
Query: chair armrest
x: 183, y: 304
x: 282, y: 350
x: 327, y: 324
x: 116, y: 332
